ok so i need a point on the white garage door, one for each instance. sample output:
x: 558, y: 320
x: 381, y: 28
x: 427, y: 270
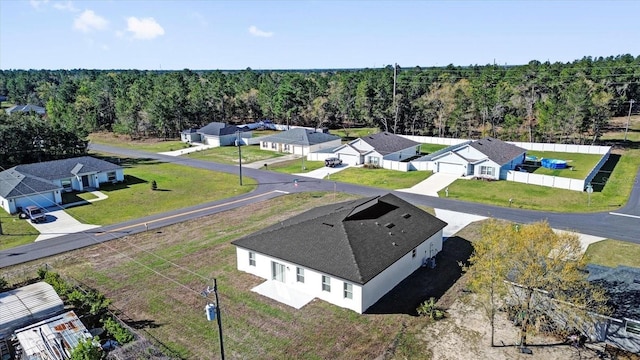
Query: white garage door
x: 349, y: 159
x: 42, y: 200
x: 450, y: 168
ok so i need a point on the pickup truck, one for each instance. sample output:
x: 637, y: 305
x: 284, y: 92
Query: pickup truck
x: 35, y: 214
x: 332, y: 162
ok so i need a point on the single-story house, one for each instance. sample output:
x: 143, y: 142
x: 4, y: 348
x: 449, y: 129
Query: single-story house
x: 621, y: 328
x: 215, y: 134
x: 349, y: 254
x: 299, y: 141
x: 26, y: 109
x: 489, y: 158
x: 373, y: 149
x: 41, y: 184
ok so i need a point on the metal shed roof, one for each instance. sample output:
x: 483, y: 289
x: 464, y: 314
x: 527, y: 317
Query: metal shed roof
x: 27, y: 305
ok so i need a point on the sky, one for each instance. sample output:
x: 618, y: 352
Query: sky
x: 297, y: 34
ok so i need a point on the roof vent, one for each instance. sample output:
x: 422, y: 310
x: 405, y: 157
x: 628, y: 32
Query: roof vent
x: 324, y: 223
x: 389, y: 225
x: 406, y: 215
x: 394, y: 243
x: 390, y: 233
x: 377, y: 223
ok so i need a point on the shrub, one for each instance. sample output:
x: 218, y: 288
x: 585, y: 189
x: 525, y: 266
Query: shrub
x: 119, y: 332
x: 3, y: 283
x: 86, y: 350
x: 154, y: 185
x: 429, y: 308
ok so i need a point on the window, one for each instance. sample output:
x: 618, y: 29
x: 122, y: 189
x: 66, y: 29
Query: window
x: 252, y: 258
x: 286, y: 147
x: 300, y: 275
x: 487, y: 170
x: 326, y: 283
x: 373, y: 160
x: 277, y: 271
x: 413, y: 253
x: 66, y: 184
x: 348, y: 291
x: 111, y: 176
x: 633, y: 327
x: 274, y: 145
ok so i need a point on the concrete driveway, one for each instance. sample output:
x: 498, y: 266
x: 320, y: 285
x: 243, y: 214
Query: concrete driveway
x: 432, y: 184
x: 60, y: 223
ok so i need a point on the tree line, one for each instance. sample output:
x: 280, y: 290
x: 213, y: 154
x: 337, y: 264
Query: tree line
x: 547, y: 102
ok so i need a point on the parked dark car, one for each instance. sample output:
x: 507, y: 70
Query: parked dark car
x: 332, y: 162
x: 35, y: 214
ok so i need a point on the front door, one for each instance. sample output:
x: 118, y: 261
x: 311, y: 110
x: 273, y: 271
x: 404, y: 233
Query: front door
x: 85, y: 181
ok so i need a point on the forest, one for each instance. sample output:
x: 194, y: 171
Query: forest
x: 543, y: 102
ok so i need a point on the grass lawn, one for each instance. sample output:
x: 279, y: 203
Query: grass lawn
x: 229, y: 154
x: 153, y: 145
x: 582, y: 164
x: 354, y: 133
x: 614, y: 194
x: 613, y: 253
x: 178, y: 187
x: 15, y: 231
x: 426, y: 149
x: 74, y: 196
x: 381, y: 178
x: 296, y: 166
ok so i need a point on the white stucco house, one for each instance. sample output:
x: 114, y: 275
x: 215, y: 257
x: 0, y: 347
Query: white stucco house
x: 349, y: 254
x: 215, y: 134
x: 299, y: 141
x: 489, y: 158
x: 376, y: 148
x: 42, y: 184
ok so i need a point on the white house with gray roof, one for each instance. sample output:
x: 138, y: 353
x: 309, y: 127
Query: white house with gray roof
x: 349, y: 254
x: 216, y: 134
x: 42, y: 184
x: 488, y: 158
x: 376, y: 148
x: 299, y: 141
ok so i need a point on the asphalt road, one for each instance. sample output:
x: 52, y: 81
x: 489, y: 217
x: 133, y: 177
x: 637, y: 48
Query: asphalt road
x: 623, y: 226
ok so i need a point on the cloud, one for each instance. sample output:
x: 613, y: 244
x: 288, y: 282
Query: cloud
x: 37, y: 3
x: 66, y: 5
x: 145, y: 28
x: 253, y: 30
x: 88, y: 21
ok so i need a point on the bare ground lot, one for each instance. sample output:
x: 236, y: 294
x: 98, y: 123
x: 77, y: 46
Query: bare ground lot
x: 155, y: 281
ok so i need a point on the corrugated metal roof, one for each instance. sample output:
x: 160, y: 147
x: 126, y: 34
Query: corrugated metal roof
x: 26, y: 305
x: 53, y: 338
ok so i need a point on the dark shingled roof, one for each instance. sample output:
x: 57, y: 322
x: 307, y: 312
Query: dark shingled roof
x: 353, y: 240
x: 622, y: 285
x: 14, y: 184
x: 388, y: 143
x: 220, y: 129
x: 497, y: 150
x: 34, y: 178
x: 66, y: 168
x: 300, y: 136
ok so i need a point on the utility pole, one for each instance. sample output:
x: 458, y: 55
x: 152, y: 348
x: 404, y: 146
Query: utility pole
x: 626, y: 129
x: 210, y: 316
x: 239, y: 154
